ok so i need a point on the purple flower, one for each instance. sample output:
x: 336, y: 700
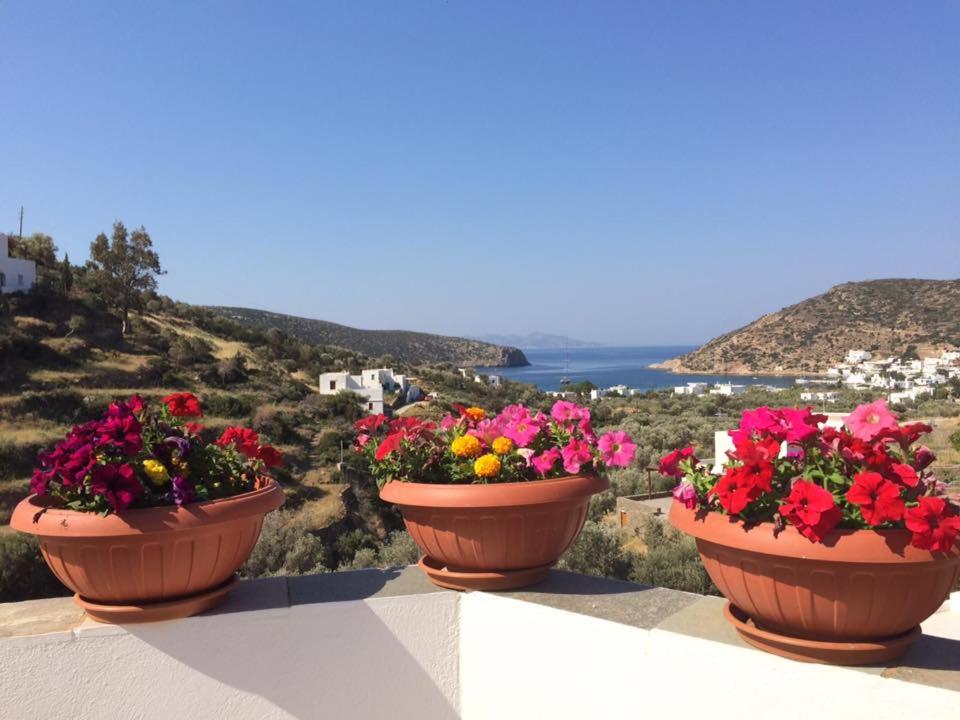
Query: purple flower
x: 182, y: 490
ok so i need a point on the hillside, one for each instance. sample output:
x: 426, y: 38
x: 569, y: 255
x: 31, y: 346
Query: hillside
x: 405, y: 345
x: 887, y: 317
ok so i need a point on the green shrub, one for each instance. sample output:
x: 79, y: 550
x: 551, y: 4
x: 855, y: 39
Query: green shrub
x: 597, y: 552
x: 23, y: 573
x: 228, y: 405
x: 61, y: 405
x: 399, y: 550
x: 671, y: 560
x: 16, y: 460
x: 286, y: 548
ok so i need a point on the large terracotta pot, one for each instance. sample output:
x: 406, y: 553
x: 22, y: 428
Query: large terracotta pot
x: 856, y: 598
x: 152, y: 563
x: 493, y: 536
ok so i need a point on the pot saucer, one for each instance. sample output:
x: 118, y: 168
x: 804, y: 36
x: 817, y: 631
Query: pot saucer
x: 879, y: 651
x: 156, y: 611
x: 483, y: 579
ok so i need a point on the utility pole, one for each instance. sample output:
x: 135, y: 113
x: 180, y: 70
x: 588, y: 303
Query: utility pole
x: 21, y: 223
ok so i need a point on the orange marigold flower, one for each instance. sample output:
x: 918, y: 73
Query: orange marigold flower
x: 502, y: 445
x: 466, y: 446
x: 487, y: 466
x: 476, y: 414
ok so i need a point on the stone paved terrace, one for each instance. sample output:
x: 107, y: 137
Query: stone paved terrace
x: 387, y: 644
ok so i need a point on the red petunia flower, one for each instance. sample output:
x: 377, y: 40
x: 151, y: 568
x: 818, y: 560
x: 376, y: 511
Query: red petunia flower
x: 811, y: 509
x: 934, y: 524
x: 878, y: 498
x: 270, y: 456
x: 736, y: 489
x: 370, y: 424
x: 904, y: 474
x: 389, y: 445
x: 670, y: 464
x: 193, y: 428
x: 183, y: 405
x: 245, y: 440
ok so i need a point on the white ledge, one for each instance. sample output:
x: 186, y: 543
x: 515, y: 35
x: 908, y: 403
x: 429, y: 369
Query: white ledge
x: 387, y: 644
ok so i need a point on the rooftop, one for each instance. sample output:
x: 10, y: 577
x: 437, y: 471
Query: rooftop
x: 387, y: 643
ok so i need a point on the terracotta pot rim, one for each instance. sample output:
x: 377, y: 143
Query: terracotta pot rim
x: 57, y: 522
x: 492, y: 495
x: 839, y: 546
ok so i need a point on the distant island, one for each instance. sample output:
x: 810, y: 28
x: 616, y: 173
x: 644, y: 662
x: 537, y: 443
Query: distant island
x: 404, y: 345
x: 536, y: 341
x: 894, y: 317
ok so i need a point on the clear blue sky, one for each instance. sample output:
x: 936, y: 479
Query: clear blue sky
x: 635, y: 172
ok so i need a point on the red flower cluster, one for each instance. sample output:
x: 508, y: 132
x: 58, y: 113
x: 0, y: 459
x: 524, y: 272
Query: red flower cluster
x: 934, y: 524
x: 398, y: 430
x: 670, y: 464
x: 811, y: 509
x: 784, y: 467
x: 247, y: 442
x: 183, y: 404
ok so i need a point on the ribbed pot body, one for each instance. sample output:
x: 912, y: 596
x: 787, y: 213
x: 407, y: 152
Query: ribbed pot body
x: 150, y: 554
x: 856, y: 585
x: 495, y: 527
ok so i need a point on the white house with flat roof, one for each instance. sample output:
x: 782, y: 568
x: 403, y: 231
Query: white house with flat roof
x: 370, y: 383
x: 16, y: 275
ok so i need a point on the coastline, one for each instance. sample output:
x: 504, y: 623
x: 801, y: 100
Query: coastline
x: 678, y: 368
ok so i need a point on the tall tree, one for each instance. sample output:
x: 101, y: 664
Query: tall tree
x: 123, y: 268
x: 37, y: 247
x: 66, y: 274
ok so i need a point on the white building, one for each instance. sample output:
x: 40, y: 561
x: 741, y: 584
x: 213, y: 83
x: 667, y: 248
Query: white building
x: 16, y: 275
x: 728, y: 389
x: 911, y: 394
x: 823, y: 397
x: 691, y: 388
x: 858, y: 356
x: 371, y: 384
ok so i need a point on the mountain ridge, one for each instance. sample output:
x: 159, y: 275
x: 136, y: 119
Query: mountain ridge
x: 405, y: 345
x: 887, y: 317
x: 535, y: 341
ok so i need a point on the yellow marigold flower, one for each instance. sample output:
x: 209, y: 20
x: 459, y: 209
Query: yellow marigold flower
x: 466, y: 446
x: 502, y: 445
x: 487, y: 466
x: 476, y: 414
x: 155, y: 471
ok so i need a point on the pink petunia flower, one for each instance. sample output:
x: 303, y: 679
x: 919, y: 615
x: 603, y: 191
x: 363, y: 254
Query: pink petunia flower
x: 564, y: 411
x: 522, y: 431
x: 686, y: 494
x: 870, y: 420
x: 617, y: 449
x: 576, y: 454
x: 545, y: 462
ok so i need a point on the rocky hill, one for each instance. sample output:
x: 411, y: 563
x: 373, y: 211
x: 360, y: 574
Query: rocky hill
x: 407, y: 346
x: 887, y: 317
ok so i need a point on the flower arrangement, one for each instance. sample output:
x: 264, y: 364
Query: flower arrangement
x: 787, y: 469
x: 514, y: 446
x: 135, y: 456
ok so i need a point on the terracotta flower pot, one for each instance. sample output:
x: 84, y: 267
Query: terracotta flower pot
x: 855, y: 599
x: 495, y: 536
x: 152, y: 563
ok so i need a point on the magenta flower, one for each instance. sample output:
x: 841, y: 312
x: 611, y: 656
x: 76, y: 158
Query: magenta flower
x: 871, y: 420
x: 545, y: 462
x: 576, y: 454
x: 121, y: 432
x: 117, y: 483
x: 799, y: 425
x: 564, y: 411
x: 522, y: 431
x: 685, y: 493
x: 448, y: 423
x: 617, y: 449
